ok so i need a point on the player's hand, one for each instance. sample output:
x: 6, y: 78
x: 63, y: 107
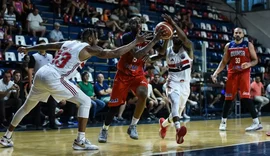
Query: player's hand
x: 142, y: 38
x: 168, y: 19
x: 214, y: 78
x: 159, y: 34
x: 245, y: 65
x: 22, y: 50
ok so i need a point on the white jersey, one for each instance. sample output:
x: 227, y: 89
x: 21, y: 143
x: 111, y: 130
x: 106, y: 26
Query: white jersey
x: 179, y: 65
x: 66, y: 60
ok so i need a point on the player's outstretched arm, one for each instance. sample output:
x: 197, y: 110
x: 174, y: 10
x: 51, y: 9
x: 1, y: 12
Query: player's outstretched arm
x: 253, y: 56
x: 140, y: 53
x: 46, y: 46
x: 106, y: 53
x: 222, y: 64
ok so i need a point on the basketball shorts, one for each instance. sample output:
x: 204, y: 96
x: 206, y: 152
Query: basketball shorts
x: 238, y: 82
x: 48, y: 81
x: 182, y: 90
x: 122, y: 85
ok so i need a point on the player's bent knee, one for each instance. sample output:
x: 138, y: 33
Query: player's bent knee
x: 142, y: 92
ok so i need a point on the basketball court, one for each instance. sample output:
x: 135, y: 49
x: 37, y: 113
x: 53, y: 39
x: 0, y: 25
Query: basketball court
x: 203, y: 138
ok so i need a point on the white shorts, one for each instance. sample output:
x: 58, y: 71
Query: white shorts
x: 48, y: 82
x: 182, y: 89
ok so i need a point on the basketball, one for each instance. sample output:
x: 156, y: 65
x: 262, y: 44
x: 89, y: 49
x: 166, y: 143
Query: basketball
x: 168, y: 30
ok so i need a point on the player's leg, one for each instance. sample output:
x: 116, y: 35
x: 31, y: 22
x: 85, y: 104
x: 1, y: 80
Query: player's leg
x: 231, y: 90
x: 244, y: 87
x: 140, y: 87
x: 37, y: 93
x: 118, y: 97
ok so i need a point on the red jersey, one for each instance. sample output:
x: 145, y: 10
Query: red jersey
x: 128, y: 64
x: 239, y: 54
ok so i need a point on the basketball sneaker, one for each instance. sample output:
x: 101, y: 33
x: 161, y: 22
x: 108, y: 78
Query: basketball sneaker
x: 254, y: 127
x: 6, y: 142
x: 132, y: 132
x: 162, y: 130
x: 222, y: 126
x: 180, y: 133
x: 102, y: 138
x: 84, y: 144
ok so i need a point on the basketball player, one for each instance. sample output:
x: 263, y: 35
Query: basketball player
x: 53, y: 79
x: 129, y: 76
x: 179, y: 58
x: 241, y: 57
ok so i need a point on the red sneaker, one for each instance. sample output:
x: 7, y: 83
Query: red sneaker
x: 180, y: 133
x: 268, y: 133
x: 162, y: 130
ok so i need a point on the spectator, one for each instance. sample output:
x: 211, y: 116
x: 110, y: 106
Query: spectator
x: 57, y: 6
x: 159, y: 94
x: 102, y: 89
x: 5, y: 40
x: 9, y: 97
x: 19, y: 11
x: 17, y: 80
x: 28, y: 6
x: 133, y: 9
x: 257, y: 92
x: 111, y: 21
x: 186, y: 21
x: 35, y: 23
x: 4, y: 10
x: 151, y: 98
x: 91, y: 12
x: 10, y: 18
x: 56, y: 35
x: 88, y: 89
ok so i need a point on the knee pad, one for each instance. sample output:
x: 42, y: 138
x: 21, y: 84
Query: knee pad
x: 84, y: 109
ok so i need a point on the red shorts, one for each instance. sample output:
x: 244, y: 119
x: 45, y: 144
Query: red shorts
x: 122, y: 85
x: 238, y: 82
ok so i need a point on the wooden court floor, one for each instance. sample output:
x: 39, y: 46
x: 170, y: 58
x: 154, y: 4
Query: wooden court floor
x: 201, y: 135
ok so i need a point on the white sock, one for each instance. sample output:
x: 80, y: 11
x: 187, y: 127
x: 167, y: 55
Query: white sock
x: 105, y: 127
x: 166, y: 123
x: 177, y: 124
x: 134, y: 121
x: 256, y: 120
x: 81, y: 135
x: 223, y: 120
x: 8, y: 134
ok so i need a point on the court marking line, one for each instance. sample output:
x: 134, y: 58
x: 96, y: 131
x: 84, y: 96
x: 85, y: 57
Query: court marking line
x: 206, y: 148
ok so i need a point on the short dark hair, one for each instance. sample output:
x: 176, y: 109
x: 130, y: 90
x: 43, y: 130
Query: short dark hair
x: 88, y: 32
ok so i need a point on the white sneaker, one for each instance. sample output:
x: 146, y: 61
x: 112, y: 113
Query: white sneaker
x: 57, y: 122
x: 222, y: 126
x: 193, y: 103
x: 254, y: 127
x: 186, y: 116
x: 84, y: 144
x: 6, y: 142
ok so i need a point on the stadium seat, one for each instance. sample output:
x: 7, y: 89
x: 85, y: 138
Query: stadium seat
x: 100, y: 10
x: 10, y: 56
x: 211, y: 45
x: 20, y: 40
x: 224, y: 28
x: 206, y: 44
x: 195, y: 13
x: 144, y: 27
x: 259, y: 49
x: 210, y: 15
x: 44, y: 39
x: 203, y: 34
x: 94, y: 20
x: 208, y: 26
x: 203, y: 25
x: 226, y: 37
x: 245, y: 31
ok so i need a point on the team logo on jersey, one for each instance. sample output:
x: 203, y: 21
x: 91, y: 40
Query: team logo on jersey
x: 182, y: 56
x: 114, y: 100
x: 172, y: 60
